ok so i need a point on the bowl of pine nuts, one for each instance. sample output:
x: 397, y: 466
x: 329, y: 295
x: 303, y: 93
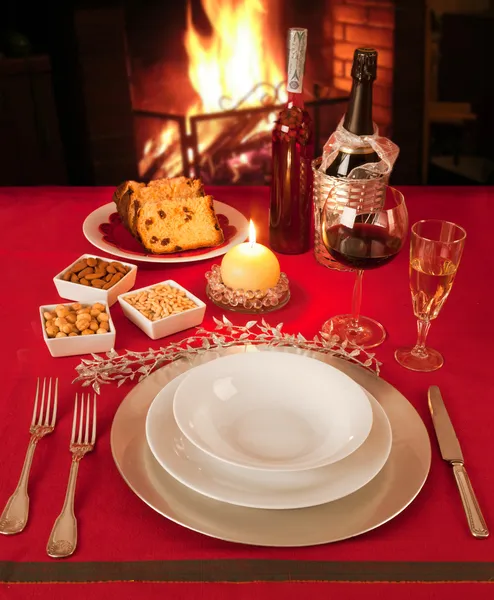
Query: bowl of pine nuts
x: 76, y: 328
x: 95, y: 279
x: 162, y: 309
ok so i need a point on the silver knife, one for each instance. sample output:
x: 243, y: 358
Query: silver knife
x: 451, y: 452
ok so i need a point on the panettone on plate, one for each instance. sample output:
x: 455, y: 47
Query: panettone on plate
x: 169, y: 215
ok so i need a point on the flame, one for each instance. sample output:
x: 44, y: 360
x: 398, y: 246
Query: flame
x: 242, y: 51
x: 252, y: 233
x: 236, y: 57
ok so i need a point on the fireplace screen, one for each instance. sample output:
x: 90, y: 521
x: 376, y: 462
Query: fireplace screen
x: 206, y: 106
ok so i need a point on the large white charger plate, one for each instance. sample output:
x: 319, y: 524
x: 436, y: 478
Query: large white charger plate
x: 276, y: 411
x: 91, y: 230
x: 257, y: 488
x: 387, y: 495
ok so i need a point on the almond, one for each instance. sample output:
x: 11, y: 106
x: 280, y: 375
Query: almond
x: 82, y: 264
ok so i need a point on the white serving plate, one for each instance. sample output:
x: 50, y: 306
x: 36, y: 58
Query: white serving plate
x: 258, y: 488
x: 90, y: 295
x: 278, y: 412
x: 80, y: 344
x: 91, y: 230
x: 382, y: 499
x: 168, y: 325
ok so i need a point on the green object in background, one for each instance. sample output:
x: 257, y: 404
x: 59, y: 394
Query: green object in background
x: 15, y: 44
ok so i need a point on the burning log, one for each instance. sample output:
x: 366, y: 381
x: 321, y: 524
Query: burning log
x: 152, y: 166
x: 230, y: 142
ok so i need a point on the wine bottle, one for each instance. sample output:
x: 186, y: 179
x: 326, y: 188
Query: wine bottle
x: 292, y: 153
x: 358, y: 117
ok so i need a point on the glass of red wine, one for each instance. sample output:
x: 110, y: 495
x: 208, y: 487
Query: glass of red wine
x: 363, y: 237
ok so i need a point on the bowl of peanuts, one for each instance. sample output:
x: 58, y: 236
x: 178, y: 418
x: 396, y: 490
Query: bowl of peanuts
x: 94, y: 279
x: 162, y: 309
x: 72, y: 329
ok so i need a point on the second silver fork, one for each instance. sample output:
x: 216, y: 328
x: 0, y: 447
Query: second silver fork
x: 63, y: 538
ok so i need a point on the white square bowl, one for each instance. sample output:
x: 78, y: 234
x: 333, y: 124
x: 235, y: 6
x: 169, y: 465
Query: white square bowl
x: 81, y: 344
x: 168, y: 325
x: 89, y: 295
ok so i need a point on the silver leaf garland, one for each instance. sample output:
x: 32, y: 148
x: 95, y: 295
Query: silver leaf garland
x: 118, y: 368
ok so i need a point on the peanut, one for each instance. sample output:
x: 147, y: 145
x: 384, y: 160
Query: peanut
x: 96, y: 272
x: 78, y: 320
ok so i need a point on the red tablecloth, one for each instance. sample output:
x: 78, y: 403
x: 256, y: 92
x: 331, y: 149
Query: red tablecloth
x: 122, y: 540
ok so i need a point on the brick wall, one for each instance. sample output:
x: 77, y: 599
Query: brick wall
x: 365, y: 23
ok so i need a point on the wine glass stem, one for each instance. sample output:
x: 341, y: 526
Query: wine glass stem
x: 423, y: 327
x: 357, y: 299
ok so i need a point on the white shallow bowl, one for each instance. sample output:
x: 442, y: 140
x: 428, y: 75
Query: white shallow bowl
x: 168, y: 325
x: 81, y: 344
x: 273, y: 411
x: 89, y: 295
x: 257, y: 488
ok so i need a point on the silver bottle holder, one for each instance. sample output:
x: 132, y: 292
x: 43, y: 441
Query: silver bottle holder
x: 365, y: 195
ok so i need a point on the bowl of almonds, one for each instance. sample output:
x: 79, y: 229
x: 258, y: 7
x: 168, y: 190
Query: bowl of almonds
x: 95, y: 279
x: 71, y: 329
x: 162, y: 309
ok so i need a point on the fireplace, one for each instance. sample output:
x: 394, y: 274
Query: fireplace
x: 193, y: 86
x: 209, y: 111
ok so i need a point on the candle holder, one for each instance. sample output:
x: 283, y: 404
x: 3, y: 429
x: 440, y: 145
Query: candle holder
x: 246, y: 301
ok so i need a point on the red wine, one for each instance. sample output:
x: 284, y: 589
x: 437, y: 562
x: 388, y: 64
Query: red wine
x: 363, y: 246
x: 292, y: 153
x: 358, y: 117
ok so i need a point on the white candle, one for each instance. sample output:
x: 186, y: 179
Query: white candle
x: 250, y: 266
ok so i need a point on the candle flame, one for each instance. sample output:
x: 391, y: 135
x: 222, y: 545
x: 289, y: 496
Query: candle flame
x: 252, y: 234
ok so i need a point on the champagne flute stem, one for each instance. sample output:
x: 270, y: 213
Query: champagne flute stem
x: 423, y: 327
x: 357, y: 299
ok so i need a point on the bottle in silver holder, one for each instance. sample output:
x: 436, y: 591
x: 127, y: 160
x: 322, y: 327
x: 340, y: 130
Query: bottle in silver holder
x: 366, y: 195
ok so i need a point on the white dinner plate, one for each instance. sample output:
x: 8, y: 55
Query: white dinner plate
x: 262, y: 489
x: 101, y: 217
x: 382, y: 499
x: 276, y: 411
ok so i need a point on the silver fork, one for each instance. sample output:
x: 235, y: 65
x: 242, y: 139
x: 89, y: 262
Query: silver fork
x: 63, y: 538
x: 15, y: 514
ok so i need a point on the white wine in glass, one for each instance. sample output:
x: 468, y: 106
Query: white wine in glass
x: 435, y: 252
x: 430, y: 284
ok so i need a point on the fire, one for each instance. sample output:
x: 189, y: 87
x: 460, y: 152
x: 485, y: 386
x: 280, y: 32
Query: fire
x: 236, y: 57
x: 242, y: 52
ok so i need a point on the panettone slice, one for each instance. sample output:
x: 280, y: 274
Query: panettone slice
x: 174, y: 224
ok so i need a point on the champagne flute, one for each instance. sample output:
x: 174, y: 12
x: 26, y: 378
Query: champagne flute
x: 363, y: 236
x: 435, y: 252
